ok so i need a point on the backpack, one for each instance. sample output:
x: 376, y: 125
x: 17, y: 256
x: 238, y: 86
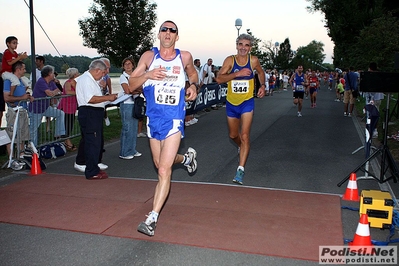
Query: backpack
x: 52, y: 151
x: 139, y: 108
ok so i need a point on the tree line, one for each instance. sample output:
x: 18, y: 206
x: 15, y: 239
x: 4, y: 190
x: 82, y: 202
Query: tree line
x: 363, y: 31
x: 61, y: 64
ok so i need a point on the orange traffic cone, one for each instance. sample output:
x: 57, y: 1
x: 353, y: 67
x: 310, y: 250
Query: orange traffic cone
x: 362, y: 235
x: 36, y: 169
x: 351, y: 192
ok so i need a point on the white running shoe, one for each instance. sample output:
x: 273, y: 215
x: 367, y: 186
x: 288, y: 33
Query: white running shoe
x: 141, y: 135
x: 79, y: 167
x: 107, y: 122
x: 102, y: 166
x: 192, y: 165
x: 129, y: 157
x: 82, y: 167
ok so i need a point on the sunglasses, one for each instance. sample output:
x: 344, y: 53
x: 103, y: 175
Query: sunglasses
x: 165, y: 29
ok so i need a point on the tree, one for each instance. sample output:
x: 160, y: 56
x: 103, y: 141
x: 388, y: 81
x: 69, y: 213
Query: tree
x: 119, y: 28
x: 346, y: 19
x: 310, y: 56
x: 284, y: 55
x: 371, y: 48
x: 256, y: 50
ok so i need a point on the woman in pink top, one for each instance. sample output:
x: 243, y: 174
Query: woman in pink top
x: 69, y: 105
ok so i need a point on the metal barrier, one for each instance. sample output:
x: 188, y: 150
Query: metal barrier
x: 53, y: 119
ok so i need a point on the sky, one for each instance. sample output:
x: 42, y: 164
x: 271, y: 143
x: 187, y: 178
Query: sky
x: 206, y: 28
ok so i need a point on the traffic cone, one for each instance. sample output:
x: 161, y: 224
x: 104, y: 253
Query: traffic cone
x: 362, y: 235
x: 351, y: 192
x: 36, y: 169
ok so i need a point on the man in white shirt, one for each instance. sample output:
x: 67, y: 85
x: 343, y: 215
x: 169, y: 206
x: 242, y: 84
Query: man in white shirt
x: 39, y: 61
x: 206, y: 77
x: 267, y: 77
x: 91, y: 104
x: 206, y: 73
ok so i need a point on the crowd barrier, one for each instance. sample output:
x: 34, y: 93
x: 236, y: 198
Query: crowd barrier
x: 209, y: 94
x: 47, y: 122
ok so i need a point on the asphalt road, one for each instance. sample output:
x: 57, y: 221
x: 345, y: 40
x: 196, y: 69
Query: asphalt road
x: 310, y: 153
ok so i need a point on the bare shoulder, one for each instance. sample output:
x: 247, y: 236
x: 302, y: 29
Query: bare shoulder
x: 147, y: 56
x: 254, y: 60
x: 228, y: 61
x: 186, y: 57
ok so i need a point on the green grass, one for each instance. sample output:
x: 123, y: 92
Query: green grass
x: 393, y: 126
x: 111, y: 133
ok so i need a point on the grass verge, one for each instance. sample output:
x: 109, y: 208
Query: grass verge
x: 393, y: 125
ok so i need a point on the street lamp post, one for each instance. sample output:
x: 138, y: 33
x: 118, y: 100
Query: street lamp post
x: 238, y: 25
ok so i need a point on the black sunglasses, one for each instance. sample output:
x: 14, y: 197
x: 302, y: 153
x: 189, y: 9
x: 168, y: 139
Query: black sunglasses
x: 165, y: 29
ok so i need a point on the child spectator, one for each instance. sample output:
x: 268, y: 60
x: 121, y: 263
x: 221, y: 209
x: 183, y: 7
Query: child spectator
x: 340, y: 89
x: 10, y: 57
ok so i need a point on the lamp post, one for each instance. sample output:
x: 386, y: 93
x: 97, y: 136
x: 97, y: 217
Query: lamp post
x: 238, y: 25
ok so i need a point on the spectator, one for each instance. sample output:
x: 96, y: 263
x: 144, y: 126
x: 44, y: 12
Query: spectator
x: 351, y: 91
x: 42, y: 107
x: 267, y: 77
x: 2, y: 102
x: 375, y: 97
x: 69, y: 105
x: 272, y: 83
x: 206, y: 76
x: 10, y: 56
x: 39, y: 62
x: 91, y: 102
x: 285, y: 80
x: 14, y: 101
x: 340, y: 89
x: 129, y: 123
x: 190, y: 119
x: 106, y: 87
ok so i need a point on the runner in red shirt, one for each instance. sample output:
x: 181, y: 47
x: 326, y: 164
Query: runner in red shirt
x: 314, y: 84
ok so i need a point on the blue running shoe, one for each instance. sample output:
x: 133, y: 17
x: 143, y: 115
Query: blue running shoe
x: 239, y: 177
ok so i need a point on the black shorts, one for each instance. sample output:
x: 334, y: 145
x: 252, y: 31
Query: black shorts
x: 298, y: 94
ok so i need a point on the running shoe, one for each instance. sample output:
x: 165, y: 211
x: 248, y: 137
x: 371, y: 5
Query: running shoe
x: 107, y: 122
x: 299, y: 114
x: 142, y: 135
x: 192, y: 164
x: 239, y: 177
x: 147, y: 229
x: 129, y: 157
x: 16, y: 165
